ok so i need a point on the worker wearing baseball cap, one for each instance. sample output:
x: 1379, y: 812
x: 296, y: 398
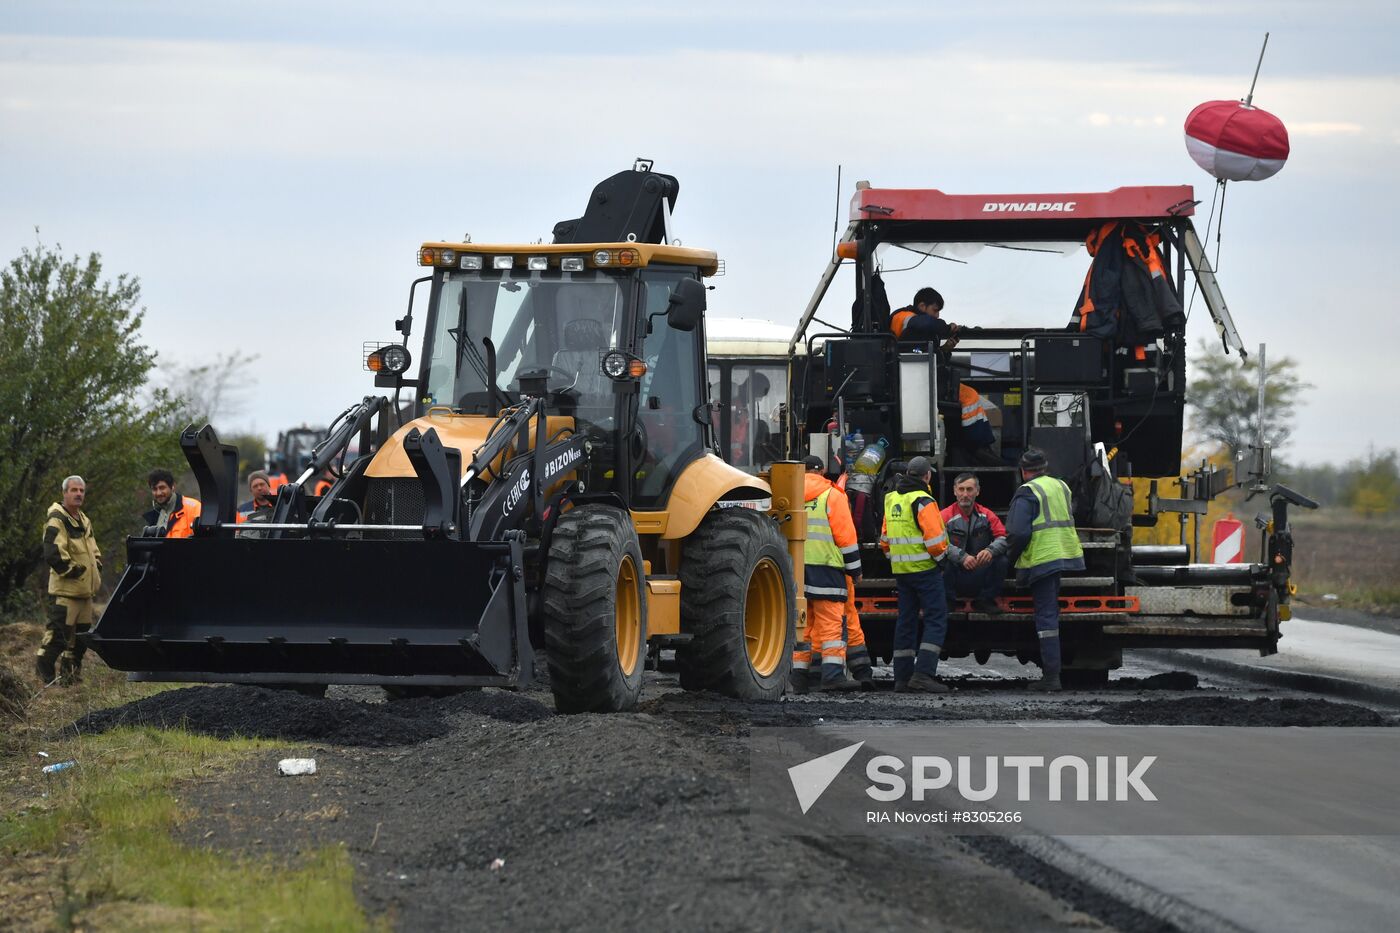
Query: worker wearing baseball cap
x: 915, y: 539
x: 832, y: 554
x: 1042, y: 545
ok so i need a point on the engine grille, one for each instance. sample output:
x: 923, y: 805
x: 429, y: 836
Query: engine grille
x: 394, y: 501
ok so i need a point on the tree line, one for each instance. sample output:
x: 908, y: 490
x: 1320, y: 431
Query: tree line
x: 1224, y: 400
x: 80, y: 395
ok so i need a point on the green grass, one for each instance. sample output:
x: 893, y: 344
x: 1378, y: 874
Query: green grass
x: 107, y: 825
x: 94, y: 847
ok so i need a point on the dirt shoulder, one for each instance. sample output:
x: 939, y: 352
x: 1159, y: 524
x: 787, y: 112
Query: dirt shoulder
x: 491, y: 810
x: 487, y: 809
x: 590, y: 822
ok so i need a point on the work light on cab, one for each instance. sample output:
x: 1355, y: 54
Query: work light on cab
x: 621, y: 365
x: 615, y: 364
x: 393, y: 359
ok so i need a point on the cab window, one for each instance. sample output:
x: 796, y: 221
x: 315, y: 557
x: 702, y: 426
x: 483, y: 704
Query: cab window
x: 671, y: 393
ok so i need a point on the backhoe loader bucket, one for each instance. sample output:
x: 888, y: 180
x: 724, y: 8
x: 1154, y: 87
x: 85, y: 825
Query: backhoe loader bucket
x: 319, y: 611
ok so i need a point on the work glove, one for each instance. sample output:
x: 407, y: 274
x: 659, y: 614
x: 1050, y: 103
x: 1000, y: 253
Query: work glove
x: 74, y: 572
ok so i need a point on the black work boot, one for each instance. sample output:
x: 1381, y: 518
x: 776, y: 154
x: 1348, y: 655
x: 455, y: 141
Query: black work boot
x: 923, y: 683
x: 67, y: 671
x: 989, y: 606
x: 798, y: 682
x: 1049, y: 682
x: 837, y: 683
x: 43, y: 666
x: 858, y: 662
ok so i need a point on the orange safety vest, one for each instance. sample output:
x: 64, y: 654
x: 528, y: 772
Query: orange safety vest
x: 899, y: 320
x: 181, y: 523
x: 971, y: 401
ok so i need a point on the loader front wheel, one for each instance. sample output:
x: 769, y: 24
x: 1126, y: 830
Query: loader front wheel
x: 595, y: 611
x: 739, y: 605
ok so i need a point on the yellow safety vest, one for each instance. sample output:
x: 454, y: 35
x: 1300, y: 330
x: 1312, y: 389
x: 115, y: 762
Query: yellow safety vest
x: 908, y: 547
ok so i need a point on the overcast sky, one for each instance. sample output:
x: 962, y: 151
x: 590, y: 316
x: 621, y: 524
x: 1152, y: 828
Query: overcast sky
x: 268, y: 170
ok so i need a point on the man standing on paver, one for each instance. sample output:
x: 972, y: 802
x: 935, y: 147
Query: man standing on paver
x: 914, y: 537
x: 75, y: 573
x: 1044, y: 544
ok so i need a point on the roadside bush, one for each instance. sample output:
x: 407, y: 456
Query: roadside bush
x: 73, y: 399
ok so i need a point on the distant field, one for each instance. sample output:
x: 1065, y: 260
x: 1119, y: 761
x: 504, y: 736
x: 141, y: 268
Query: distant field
x: 1352, y: 558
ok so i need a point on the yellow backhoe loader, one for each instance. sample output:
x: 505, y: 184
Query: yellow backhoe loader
x: 555, y: 490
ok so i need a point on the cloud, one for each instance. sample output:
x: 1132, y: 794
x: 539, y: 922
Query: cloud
x: 1322, y: 128
x: 261, y: 146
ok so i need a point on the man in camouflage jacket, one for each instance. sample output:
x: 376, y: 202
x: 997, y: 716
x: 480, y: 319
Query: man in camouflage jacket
x: 75, y: 574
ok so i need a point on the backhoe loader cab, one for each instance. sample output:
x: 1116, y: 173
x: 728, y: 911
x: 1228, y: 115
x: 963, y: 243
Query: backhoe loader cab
x: 554, y: 490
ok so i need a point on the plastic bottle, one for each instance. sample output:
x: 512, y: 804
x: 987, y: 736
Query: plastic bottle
x: 872, y: 457
x: 853, y: 445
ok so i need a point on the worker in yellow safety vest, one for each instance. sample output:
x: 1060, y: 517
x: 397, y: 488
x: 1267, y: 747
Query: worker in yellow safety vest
x: 1043, y: 544
x: 915, y: 539
x: 832, y: 555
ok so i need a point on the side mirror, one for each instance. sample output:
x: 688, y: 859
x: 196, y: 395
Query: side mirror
x: 687, y: 305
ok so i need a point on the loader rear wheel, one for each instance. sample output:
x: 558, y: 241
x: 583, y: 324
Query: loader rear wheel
x: 739, y: 603
x: 595, y: 611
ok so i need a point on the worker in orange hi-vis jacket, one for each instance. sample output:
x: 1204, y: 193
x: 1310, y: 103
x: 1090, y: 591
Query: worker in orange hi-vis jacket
x: 832, y: 556
x: 857, y: 655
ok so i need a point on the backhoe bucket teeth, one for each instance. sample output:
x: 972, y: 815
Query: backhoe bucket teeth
x: 392, y: 612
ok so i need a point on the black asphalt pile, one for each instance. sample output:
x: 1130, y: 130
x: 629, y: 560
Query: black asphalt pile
x: 1167, y: 680
x: 1225, y: 711
x: 722, y: 714
x: 502, y: 705
x: 615, y: 822
x: 256, y: 712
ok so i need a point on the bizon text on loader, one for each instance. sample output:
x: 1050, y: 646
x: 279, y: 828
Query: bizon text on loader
x: 556, y: 491
x: 1103, y: 396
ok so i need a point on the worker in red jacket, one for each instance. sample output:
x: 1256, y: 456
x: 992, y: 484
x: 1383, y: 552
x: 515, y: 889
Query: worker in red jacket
x: 976, y: 561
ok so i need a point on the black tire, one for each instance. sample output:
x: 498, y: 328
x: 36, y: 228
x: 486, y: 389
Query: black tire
x: 721, y: 563
x: 585, y: 580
